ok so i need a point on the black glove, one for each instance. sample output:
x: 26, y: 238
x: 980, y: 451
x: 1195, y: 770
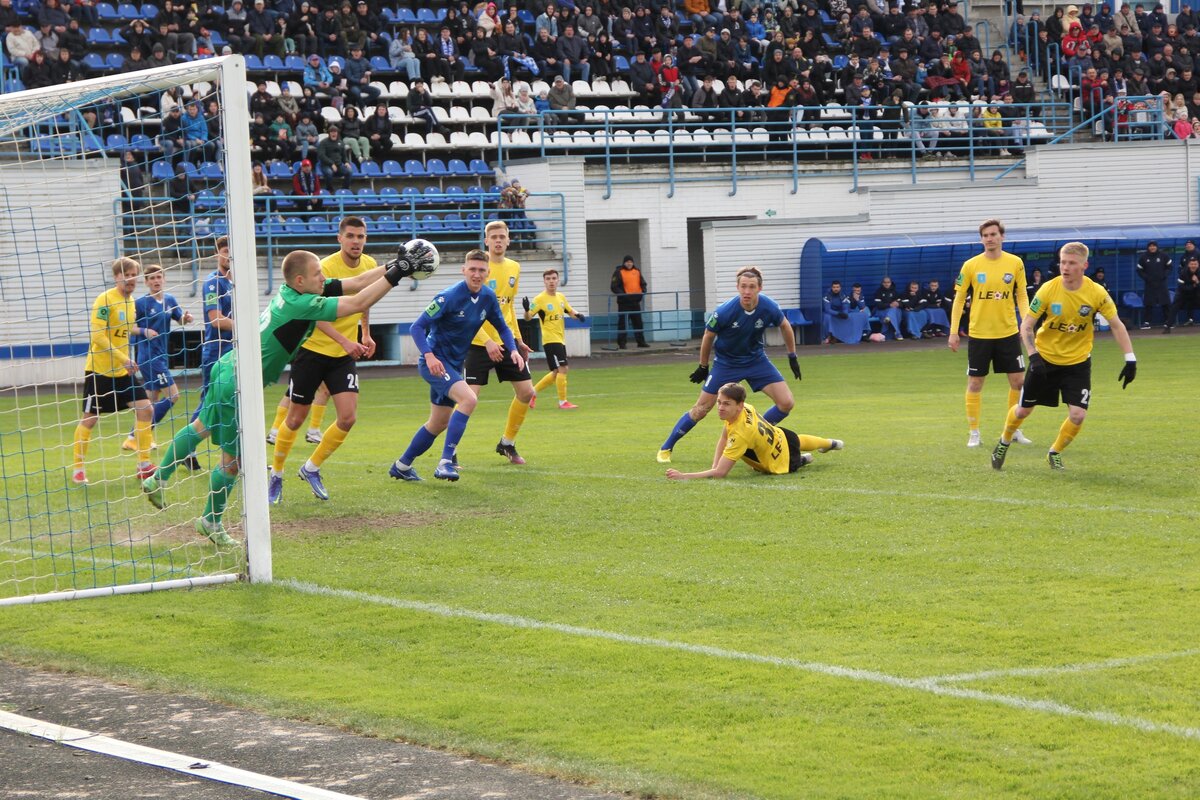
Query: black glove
x: 581, y: 317
x: 794, y: 363
x: 525, y: 304
x: 842, y: 315
x: 1036, y: 363
x: 1128, y: 373
x: 410, y: 258
x: 700, y: 375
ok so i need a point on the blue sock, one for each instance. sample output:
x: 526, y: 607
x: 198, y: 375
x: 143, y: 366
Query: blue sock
x: 422, y: 440
x: 454, y: 434
x: 774, y: 415
x: 162, y: 408
x: 685, y: 424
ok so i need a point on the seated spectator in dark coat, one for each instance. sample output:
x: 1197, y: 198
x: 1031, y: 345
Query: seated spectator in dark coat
x: 39, y: 73
x: 705, y: 97
x: 643, y: 82
x: 306, y: 183
x: 420, y: 106
x: 562, y: 98
x: 378, y: 130
x: 334, y: 158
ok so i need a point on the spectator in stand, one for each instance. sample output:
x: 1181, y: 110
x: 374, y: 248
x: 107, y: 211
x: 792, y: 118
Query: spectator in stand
x: 286, y: 104
x: 170, y: 137
x: 562, y: 99
x: 691, y: 64
x: 139, y: 35
x: 258, y: 180
x: 179, y: 189
x: 133, y: 179
x: 135, y: 63
x: 310, y: 104
x: 302, y: 29
x: 319, y: 78
x: 885, y: 304
x: 354, y: 135
x: 66, y: 69
x: 547, y: 21
x: 545, y: 53
x: 732, y: 98
x: 504, y: 99
x: 39, y: 72
x: 528, y: 106
x: 159, y: 57
x: 425, y: 49
x: 401, y: 55
x: 629, y: 286
x: 307, y: 135
x: 351, y: 33
x: 1187, y: 293
x: 450, y: 65
x: 261, y: 102
x: 1154, y: 268
x: 700, y: 13
x: 643, y: 82
x: 260, y: 137
x: 358, y: 79
x: 378, y: 128
x: 196, y: 145
x: 21, y: 44
x: 283, y: 138
x: 601, y: 58
x: 306, y: 184
x: 47, y: 41
x: 370, y: 27
x: 330, y: 41
x: 333, y: 158
x: 573, y: 54
x: 73, y: 39
x: 705, y: 97
x: 260, y: 25
x: 485, y: 57
x: 912, y: 305
x: 420, y: 106
x: 233, y: 25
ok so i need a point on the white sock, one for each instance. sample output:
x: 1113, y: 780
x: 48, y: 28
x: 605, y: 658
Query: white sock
x: 311, y: 467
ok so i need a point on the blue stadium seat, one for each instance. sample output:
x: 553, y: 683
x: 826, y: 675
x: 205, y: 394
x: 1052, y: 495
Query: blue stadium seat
x: 117, y: 39
x: 294, y: 63
x: 415, y: 169
x: 386, y: 223
x: 161, y: 171
x: 189, y: 168
x: 426, y: 15
x: 381, y: 66
x: 458, y: 168
x: 114, y: 61
x: 370, y: 169
x: 140, y: 141
x: 128, y: 12
x: 316, y: 225
x: 218, y: 40
x: 211, y: 171
x: 473, y: 221
x: 431, y: 196
x: 410, y: 195
x: 405, y: 16
x: 526, y: 17
x: 274, y: 63
x: 99, y: 37
x: 480, y: 167
x: 278, y: 170
x: 294, y: 226
x: 453, y: 223
x: 254, y: 63
x: 281, y: 201
x: 207, y: 201
x: 456, y: 195
x: 94, y: 62
x: 392, y: 169
x: 436, y: 168
x: 621, y: 63
x: 407, y: 225
x: 116, y: 141
x: 366, y: 197
x: 106, y: 12
x: 346, y: 198
x: 474, y: 194
x: 149, y: 11
x: 431, y: 224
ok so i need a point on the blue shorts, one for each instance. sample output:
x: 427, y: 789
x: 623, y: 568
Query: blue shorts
x: 759, y: 374
x: 439, y: 388
x: 156, y: 374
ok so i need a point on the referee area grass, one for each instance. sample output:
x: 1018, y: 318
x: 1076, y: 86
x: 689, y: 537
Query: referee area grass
x: 895, y: 620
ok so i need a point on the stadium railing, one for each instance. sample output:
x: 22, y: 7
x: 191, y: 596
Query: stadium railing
x: 666, y: 317
x: 782, y: 140
x: 452, y: 221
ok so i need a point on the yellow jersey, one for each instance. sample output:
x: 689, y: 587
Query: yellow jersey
x: 504, y: 279
x: 334, y: 266
x: 113, y: 315
x: 552, y: 307
x: 760, y: 444
x: 1068, y: 330
x: 993, y: 284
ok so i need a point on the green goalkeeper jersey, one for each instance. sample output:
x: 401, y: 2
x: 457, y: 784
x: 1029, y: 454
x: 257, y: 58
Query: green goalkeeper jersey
x: 287, y: 322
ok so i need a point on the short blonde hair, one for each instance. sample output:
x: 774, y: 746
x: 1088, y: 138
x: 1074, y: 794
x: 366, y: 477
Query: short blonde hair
x: 296, y: 263
x: 1076, y: 249
x: 495, y: 224
x: 124, y: 264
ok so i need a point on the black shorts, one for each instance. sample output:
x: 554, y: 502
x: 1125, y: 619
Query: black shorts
x: 477, y: 366
x: 795, y: 461
x: 1073, y: 383
x: 104, y: 395
x: 310, y: 370
x: 556, y: 354
x: 1002, y: 355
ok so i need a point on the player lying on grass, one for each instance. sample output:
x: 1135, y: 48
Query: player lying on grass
x: 306, y: 297
x: 443, y: 334
x: 1060, y: 352
x: 750, y: 438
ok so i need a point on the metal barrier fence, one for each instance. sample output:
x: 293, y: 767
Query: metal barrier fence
x: 288, y: 222
x: 783, y: 138
x: 664, y: 317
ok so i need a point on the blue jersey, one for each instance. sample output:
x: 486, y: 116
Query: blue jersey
x: 154, y: 314
x: 218, y: 296
x: 451, y: 321
x: 740, y: 332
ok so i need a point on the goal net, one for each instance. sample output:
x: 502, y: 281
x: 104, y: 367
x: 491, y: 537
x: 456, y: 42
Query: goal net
x: 91, y: 172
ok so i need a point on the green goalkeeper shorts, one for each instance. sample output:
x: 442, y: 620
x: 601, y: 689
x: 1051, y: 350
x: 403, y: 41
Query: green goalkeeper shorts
x: 219, y: 412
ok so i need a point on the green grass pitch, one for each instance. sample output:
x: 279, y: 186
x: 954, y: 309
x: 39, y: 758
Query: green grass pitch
x: 897, y: 620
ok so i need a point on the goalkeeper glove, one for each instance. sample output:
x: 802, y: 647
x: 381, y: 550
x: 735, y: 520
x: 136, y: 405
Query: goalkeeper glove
x: 1036, y: 363
x: 1128, y: 372
x: 525, y: 304
x: 794, y: 363
x: 580, y: 317
x: 408, y: 261
x: 700, y: 374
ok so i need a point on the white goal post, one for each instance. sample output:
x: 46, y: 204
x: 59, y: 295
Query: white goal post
x: 69, y: 207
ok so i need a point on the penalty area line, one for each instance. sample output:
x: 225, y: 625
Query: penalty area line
x: 1064, y: 669
x: 176, y: 762
x: 925, y: 685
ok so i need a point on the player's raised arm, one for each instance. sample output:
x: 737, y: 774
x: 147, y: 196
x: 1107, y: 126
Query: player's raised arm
x: 414, y: 257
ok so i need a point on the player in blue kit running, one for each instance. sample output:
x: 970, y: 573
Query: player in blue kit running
x: 735, y: 332
x: 154, y: 313
x: 443, y: 334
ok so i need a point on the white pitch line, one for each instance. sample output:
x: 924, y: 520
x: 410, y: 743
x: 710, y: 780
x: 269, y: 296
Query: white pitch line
x: 188, y: 765
x: 830, y: 670
x: 1064, y: 669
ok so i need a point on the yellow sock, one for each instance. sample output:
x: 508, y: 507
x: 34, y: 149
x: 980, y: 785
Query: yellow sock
x: 561, y: 380
x: 143, y: 435
x: 1011, y: 423
x: 974, y: 402
x: 281, y: 413
x: 516, y: 417
x: 810, y: 443
x: 283, y: 445
x: 318, y: 416
x: 330, y: 441
x: 1066, y: 434
x: 1014, y: 396
x: 546, y: 380
x: 83, y: 435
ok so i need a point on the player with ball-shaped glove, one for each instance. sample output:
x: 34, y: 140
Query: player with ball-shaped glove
x: 417, y: 259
